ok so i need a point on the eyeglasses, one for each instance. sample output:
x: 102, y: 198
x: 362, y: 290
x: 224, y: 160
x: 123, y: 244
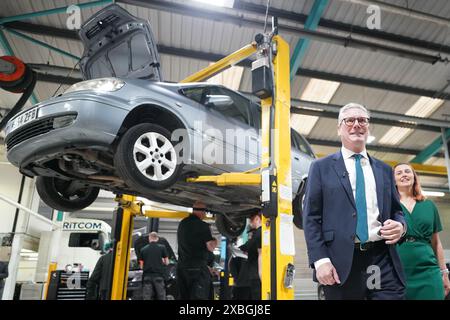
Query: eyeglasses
x: 199, y: 209
x: 362, y: 121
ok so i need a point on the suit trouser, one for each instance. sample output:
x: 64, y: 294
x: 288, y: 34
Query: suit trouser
x: 193, y: 282
x: 255, y: 289
x: 154, y: 288
x: 372, y: 277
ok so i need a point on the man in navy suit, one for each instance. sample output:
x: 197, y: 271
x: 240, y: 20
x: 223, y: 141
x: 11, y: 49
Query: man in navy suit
x: 352, y: 218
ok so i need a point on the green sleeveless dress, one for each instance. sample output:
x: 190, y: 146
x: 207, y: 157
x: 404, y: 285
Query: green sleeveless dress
x: 423, y: 277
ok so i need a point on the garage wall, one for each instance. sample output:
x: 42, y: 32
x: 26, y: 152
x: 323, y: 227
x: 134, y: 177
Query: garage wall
x: 443, y: 205
x: 9, y: 186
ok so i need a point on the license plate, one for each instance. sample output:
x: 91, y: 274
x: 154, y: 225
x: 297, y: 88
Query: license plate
x: 23, y: 119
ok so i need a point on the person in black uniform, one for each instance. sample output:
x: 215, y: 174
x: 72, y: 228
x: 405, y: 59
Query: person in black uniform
x: 194, y: 242
x: 154, y: 259
x: 239, y: 271
x: 142, y: 241
x: 253, y: 249
x: 98, y: 284
x: 3, y: 275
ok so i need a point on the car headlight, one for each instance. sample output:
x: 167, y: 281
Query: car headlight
x: 102, y: 84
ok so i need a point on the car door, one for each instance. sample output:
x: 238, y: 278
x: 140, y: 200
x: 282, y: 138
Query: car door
x: 304, y: 154
x: 298, y: 159
x: 226, y: 124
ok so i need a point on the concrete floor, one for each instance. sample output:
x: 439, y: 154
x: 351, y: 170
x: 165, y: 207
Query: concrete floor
x: 305, y: 289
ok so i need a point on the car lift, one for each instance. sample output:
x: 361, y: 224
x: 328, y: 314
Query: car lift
x: 270, y: 75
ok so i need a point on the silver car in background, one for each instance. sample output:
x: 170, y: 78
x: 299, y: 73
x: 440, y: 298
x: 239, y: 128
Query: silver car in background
x: 120, y: 130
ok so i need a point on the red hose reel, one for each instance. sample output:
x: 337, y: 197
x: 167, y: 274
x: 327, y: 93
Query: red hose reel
x: 17, y: 77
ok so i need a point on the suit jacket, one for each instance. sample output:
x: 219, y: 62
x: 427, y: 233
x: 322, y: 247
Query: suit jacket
x: 329, y: 216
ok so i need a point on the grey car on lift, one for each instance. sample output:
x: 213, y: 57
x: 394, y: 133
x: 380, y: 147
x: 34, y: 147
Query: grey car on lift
x: 121, y: 130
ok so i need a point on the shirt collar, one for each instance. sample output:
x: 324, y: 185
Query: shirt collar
x: 346, y: 154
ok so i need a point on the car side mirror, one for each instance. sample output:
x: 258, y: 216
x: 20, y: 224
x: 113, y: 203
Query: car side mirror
x: 218, y: 101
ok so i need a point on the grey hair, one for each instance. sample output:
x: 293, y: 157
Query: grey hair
x: 351, y: 105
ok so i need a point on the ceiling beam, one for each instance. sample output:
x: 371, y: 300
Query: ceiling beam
x: 225, y: 16
x: 354, y: 30
x: 50, y: 31
x: 370, y: 147
x: 431, y: 149
x: 314, y: 74
x: 303, y: 43
x: 378, y: 117
x: 45, y: 77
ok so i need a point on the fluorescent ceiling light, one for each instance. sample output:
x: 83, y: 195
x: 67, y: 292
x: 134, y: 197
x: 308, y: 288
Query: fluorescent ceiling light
x: 230, y: 78
x: 370, y: 139
x: 99, y: 209
x: 433, y: 193
x: 394, y: 135
x: 422, y: 108
x: 317, y: 90
x: 303, y: 124
x: 218, y: 3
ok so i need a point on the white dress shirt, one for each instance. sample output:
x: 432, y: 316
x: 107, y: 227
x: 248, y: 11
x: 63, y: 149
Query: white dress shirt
x: 371, y: 194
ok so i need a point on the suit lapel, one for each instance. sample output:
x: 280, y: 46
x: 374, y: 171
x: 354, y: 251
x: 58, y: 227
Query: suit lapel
x: 378, y: 173
x: 341, y: 171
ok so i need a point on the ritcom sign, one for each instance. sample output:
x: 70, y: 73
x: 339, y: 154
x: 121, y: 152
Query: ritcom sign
x: 82, y: 225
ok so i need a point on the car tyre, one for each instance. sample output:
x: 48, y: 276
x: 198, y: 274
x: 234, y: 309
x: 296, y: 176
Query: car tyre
x: 65, y: 195
x: 297, y: 206
x: 230, y: 229
x: 146, y: 158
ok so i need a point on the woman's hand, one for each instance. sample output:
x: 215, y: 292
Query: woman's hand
x: 446, y: 283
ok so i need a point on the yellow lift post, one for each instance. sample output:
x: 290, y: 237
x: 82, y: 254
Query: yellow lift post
x: 274, y: 177
x: 275, y: 172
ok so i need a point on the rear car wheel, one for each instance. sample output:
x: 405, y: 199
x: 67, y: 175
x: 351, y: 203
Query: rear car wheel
x: 146, y: 158
x: 65, y: 195
x: 230, y: 229
x: 297, y: 206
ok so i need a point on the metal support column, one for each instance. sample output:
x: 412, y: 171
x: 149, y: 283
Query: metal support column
x: 447, y: 157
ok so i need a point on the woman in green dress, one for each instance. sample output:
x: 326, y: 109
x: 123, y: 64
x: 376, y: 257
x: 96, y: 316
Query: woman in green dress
x: 421, y: 251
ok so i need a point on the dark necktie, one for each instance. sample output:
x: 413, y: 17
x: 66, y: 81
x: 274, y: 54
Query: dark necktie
x: 360, y: 199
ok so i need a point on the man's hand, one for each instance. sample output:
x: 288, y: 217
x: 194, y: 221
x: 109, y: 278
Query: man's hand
x: 391, y: 231
x: 326, y: 274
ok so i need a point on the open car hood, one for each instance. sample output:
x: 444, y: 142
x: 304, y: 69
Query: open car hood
x: 118, y: 44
